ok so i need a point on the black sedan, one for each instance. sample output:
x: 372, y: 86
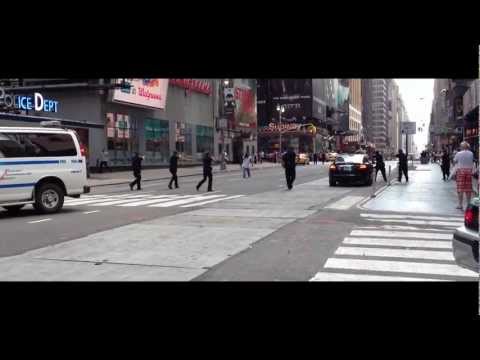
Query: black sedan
x: 465, y: 239
x: 351, y: 168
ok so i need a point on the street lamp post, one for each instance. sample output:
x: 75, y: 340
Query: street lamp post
x: 280, y: 109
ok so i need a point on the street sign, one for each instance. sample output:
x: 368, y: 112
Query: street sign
x: 409, y: 127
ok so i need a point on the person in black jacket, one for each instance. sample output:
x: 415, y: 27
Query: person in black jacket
x: 207, y: 171
x: 446, y: 165
x: 137, y: 171
x: 403, y: 165
x: 289, y: 164
x: 173, y: 170
x: 379, y: 166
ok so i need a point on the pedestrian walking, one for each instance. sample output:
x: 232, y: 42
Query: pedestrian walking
x: 137, y: 171
x: 262, y: 156
x: 104, y: 159
x: 289, y: 163
x: 246, y: 165
x: 173, y: 170
x: 380, y: 166
x: 402, y: 165
x: 324, y: 158
x: 445, y: 165
x: 463, y: 161
x: 207, y: 172
x: 315, y: 159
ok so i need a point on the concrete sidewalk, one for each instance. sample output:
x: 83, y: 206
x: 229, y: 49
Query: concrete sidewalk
x: 425, y: 192
x: 125, y: 177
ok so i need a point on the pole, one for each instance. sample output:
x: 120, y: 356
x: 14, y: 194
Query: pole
x: 280, y: 125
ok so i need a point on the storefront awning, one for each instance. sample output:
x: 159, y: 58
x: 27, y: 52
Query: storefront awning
x: 38, y: 119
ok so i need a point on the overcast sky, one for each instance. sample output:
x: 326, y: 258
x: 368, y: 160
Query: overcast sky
x: 417, y: 95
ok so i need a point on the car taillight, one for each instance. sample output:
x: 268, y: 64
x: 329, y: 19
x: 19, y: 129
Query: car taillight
x: 83, y: 150
x: 363, y: 167
x: 333, y: 167
x: 471, y: 218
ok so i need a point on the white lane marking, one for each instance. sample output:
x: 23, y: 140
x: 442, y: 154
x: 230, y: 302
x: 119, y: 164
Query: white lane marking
x: 396, y: 253
x: 39, y: 221
x: 88, y: 201
x: 400, y: 266
x: 212, y: 201
x: 402, y: 234
x: 116, y: 202
x: 186, y: 201
x: 324, y: 276
x: 153, y: 200
x: 441, y: 218
x: 399, y: 243
x: 346, y: 203
x: 403, y: 227
x: 421, y: 222
x: 91, y: 212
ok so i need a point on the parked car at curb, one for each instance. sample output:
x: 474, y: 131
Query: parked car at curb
x: 351, y: 168
x: 465, y: 238
x: 303, y: 159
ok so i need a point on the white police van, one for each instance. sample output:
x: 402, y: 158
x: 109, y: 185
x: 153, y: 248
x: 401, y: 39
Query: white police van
x: 40, y: 166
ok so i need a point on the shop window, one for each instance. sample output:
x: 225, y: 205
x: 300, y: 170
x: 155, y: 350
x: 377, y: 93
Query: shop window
x: 122, y: 138
x: 204, y: 139
x: 157, y: 141
x: 183, y: 139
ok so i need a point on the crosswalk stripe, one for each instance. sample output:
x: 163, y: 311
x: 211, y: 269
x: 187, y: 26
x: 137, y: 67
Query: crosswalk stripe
x: 212, y: 201
x: 346, y: 203
x: 88, y: 201
x: 117, y: 202
x: 405, y: 227
x: 195, y: 198
x: 384, y: 216
x: 400, y: 266
x: 154, y: 200
x: 442, y: 244
x: 403, y: 234
x: 422, y: 222
x: 327, y: 276
x: 396, y: 253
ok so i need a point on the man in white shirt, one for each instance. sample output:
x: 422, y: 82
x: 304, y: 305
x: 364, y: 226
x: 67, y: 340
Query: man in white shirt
x: 463, y: 161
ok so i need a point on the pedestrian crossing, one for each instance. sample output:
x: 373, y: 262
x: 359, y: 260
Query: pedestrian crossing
x: 406, y: 251
x: 149, y: 200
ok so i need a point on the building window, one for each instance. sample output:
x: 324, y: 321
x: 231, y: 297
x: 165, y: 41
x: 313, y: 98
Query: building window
x: 157, y: 141
x: 204, y: 139
x: 121, y: 138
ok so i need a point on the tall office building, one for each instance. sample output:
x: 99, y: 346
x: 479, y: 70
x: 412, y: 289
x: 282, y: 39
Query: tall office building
x: 376, y: 108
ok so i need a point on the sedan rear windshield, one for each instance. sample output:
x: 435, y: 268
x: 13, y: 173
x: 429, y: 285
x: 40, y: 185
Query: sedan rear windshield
x: 356, y: 159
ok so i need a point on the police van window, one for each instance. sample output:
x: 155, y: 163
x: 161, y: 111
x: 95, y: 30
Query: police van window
x: 50, y: 145
x: 36, y: 145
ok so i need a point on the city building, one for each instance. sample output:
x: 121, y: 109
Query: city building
x: 375, y: 111
x: 151, y: 116
x: 301, y: 113
x: 393, y: 123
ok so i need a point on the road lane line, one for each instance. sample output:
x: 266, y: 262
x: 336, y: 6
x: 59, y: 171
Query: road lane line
x: 346, y: 203
x: 402, y: 234
x: 384, y: 216
x: 187, y: 201
x: 212, y: 201
x: 39, y: 221
x: 396, y: 253
x: 327, y: 276
x: 400, y: 266
x: 91, y: 212
x: 441, y: 244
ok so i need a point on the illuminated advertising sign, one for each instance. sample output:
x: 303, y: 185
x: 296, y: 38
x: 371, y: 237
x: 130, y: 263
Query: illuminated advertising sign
x: 151, y: 93
x: 21, y: 102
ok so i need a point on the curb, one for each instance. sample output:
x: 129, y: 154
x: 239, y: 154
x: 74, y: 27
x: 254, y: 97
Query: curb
x: 168, y: 177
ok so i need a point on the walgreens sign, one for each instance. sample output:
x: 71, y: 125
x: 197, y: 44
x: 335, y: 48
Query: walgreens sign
x: 150, y: 93
x: 200, y: 86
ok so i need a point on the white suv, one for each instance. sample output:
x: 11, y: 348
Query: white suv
x: 40, y: 166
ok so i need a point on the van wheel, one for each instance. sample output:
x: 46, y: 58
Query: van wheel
x: 49, y: 199
x: 13, y: 209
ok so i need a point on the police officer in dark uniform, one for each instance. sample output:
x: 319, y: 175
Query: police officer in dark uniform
x: 403, y: 165
x: 380, y: 166
x: 137, y: 171
x: 173, y: 170
x: 207, y: 171
x: 289, y: 164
